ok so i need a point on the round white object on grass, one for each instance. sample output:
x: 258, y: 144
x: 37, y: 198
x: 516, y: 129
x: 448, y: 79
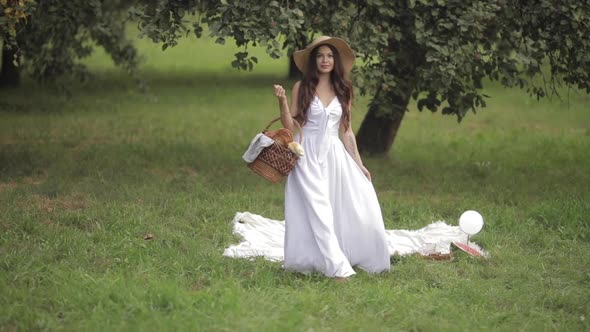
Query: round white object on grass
x: 471, y: 222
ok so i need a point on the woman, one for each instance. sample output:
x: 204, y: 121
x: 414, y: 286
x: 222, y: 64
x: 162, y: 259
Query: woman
x: 332, y: 217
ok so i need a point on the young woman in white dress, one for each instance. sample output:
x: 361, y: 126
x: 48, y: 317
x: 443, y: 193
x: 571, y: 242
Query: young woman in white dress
x: 333, y: 219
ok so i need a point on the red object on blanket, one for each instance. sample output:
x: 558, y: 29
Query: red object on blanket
x: 467, y: 248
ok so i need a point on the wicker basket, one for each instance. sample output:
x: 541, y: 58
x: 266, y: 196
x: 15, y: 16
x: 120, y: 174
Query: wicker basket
x: 276, y: 161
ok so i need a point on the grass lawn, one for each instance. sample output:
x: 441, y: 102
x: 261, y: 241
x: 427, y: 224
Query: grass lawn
x: 84, y: 176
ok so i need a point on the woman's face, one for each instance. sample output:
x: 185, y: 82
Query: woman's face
x: 324, y: 60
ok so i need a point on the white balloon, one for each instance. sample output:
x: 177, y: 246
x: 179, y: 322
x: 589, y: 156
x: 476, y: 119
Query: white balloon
x: 471, y: 222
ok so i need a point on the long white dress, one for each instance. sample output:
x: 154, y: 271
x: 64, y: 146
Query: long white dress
x: 333, y: 219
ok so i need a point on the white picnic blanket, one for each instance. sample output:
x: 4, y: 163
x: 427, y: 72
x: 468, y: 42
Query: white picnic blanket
x: 264, y: 237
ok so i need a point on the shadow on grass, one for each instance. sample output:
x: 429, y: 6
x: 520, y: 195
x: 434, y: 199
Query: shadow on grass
x: 127, y: 163
x: 48, y: 98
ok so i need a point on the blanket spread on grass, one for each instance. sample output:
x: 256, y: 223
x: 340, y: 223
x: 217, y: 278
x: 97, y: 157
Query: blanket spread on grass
x: 263, y: 237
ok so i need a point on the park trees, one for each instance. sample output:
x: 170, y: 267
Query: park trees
x: 53, y: 36
x: 12, y: 15
x: 437, y: 52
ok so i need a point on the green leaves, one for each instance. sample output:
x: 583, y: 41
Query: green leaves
x: 440, y: 48
x: 55, y: 35
x: 14, y: 16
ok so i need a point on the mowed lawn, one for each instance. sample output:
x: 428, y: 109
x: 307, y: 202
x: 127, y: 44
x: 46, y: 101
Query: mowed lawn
x: 86, y: 173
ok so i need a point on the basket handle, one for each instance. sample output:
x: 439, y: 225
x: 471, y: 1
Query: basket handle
x: 294, y: 121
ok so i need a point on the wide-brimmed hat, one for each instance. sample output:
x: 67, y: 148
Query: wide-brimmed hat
x: 301, y: 57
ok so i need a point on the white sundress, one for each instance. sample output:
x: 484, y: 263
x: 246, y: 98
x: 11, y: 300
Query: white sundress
x: 333, y: 219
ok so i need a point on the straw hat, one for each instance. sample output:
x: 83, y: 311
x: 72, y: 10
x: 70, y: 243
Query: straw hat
x: 301, y: 57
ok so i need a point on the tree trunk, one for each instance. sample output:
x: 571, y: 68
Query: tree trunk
x: 387, y: 109
x: 300, y: 42
x: 294, y: 73
x: 9, y: 73
x: 381, y: 124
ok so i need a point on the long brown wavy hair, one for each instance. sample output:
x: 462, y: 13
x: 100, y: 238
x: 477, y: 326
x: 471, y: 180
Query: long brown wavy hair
x: 342, y: 86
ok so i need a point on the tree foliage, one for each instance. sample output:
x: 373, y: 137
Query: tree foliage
x: 13, y: 14
x: 437, y: 52
x: 53, y: 36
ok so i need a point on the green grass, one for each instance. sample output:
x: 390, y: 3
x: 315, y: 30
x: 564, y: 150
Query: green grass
x: 83, y: 177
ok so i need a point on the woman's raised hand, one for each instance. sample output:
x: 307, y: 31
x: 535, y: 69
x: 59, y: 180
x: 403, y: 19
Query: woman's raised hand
x: 279, y: 92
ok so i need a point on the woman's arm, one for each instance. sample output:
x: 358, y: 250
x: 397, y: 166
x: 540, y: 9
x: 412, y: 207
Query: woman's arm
x: 349, y: 141
x: 287, y: 114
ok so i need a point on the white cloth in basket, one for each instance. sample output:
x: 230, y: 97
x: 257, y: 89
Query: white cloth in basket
x: 259, y: 142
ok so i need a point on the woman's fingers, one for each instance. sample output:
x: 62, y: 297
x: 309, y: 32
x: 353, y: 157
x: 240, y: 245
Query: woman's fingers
x: 366, y: 172
x: 279, y: 91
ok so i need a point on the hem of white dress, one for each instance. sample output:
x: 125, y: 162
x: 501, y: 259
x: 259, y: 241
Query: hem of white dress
x: 311, y: 271
x: 387, y: 269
